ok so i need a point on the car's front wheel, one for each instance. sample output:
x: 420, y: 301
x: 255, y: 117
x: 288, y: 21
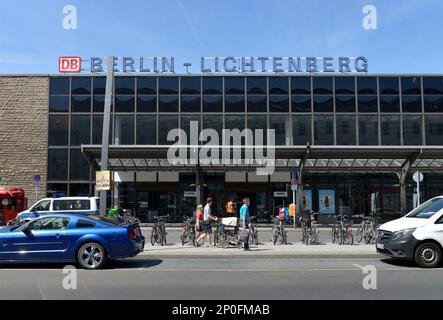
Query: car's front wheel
x: 91, y: 256
x: 428, y: 255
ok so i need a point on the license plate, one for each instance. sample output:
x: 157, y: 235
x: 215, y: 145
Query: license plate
x: 380, y: 246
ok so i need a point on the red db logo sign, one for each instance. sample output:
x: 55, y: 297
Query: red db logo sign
x: 69, y: 64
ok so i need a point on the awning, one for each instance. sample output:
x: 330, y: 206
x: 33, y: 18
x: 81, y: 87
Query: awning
x: 316, y: 158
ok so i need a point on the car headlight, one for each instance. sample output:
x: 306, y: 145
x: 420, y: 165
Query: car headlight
x: 401, y: 234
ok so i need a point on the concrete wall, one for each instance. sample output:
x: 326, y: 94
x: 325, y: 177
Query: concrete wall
x: 24, y: 132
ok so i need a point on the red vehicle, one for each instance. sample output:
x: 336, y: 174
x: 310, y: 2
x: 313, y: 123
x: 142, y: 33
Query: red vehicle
x: 12, y: 202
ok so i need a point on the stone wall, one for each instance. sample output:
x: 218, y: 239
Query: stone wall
x: 24, y: 132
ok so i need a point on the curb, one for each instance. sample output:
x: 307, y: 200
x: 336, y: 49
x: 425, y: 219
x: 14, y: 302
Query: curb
x: 259, y: 256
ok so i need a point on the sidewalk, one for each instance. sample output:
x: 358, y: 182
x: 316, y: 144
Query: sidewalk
x: 265, y: 250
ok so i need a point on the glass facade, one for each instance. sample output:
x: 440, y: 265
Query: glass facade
x: 322, y: 110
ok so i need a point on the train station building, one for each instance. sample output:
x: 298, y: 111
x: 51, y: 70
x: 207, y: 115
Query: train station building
x: 354, y: 141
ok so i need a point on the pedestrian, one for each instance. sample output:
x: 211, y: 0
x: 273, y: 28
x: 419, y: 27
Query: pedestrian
x: 199, y: 220
x: 230, y: 208
x: 207, y: 218
x: 244, y: 219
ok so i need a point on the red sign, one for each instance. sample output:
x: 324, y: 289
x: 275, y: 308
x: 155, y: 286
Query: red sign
x: 69, y: 64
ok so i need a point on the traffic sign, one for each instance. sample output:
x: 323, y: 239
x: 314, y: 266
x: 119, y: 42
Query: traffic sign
x: 37, y: 179
x: 417, y: 176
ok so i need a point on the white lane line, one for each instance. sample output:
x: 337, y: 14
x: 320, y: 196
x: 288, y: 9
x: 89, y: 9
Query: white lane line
x: 267, y: 269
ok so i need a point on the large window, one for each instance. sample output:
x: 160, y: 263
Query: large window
x: 81, y: 85
x: 433, y: 85
x: 257, y: 122
x: 367, y: 85
x: 367, y: 103
x: 412, y: 134
x: 212, y: 103
x: 344, y: 85
x: 57, y: 164
x: 390, y: 130
x: 124, y: 129
x: 301, y: 129
x: 80, y: 130
x: 235, y: 104
x: 168, y: 85
x: 344, y: 103
x: 165, y: 124
x: 322, y: 85
x: 323, y: 130
x: 79, y: 166
x: 434, y: 130
x: 323, y: 103
x: 433, y: 103
x: 234, y: 85
x: 214, y: 122
x: 278, y: 103
x: 58, y: 130
x: 59, y: 86
x: 190, y: 85
x: 282, y: 131
x: 368, y: 130
x: 301, y: 103
x: 301, y: 85
x: 345, y: 128
x: 257, y: 103
x: 257, y: 85
x: 278, y: 85
x: 124, y: 85
x: 212, y: 85
x: 146, y: 129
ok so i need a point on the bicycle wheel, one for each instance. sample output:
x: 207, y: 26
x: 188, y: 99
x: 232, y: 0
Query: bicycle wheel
x: 225, y: 242
x: 284, y: 237
x: 184, y: 237
x: 349, y: 238
x: 163, y: 242
x: 153, y: 236
x: 369, y: 234
x: 335, y: 235
x: 275, y: 236
x: 256, y: 237
x: 342, y: 236
x: 360, y: 232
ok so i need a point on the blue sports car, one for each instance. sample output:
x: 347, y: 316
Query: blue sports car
x: 88, y: 240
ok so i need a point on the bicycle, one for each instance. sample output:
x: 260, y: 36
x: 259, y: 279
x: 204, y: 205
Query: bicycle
x: 310, y: 232
x: 279, y: 232
x: 342, y: 231
x: 253, y: 239
x: 367, y: 229
x: 188, y: 231
x: 158, y: 232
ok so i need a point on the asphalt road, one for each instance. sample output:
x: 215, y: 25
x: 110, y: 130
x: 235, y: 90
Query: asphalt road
x: 226, y: 279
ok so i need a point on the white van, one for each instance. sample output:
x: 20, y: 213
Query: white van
x: 416, y: 236
x: 83, y: 205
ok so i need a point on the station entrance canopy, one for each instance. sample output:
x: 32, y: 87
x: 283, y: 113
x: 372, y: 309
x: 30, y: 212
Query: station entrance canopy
x: 332, y: 159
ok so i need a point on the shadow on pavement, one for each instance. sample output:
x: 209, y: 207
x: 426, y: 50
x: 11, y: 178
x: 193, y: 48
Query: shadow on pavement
x: 114, y: 264
x: 403, y: 263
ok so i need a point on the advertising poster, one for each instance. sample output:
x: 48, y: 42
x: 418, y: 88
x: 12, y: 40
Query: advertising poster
x: 326, y: 199
x: 307, y: 199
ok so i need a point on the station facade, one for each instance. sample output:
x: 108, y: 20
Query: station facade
x: 367, y: 135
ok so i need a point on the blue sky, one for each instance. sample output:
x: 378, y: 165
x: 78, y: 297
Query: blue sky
x: 408, y: 38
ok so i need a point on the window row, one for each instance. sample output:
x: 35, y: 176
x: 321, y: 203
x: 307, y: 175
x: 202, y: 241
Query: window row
x: 142, y: 130
x: 251, y: 84
x: 253, y: 103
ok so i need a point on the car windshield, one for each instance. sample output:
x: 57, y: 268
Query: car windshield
x: 427, y: 209
x: 103, y: 219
